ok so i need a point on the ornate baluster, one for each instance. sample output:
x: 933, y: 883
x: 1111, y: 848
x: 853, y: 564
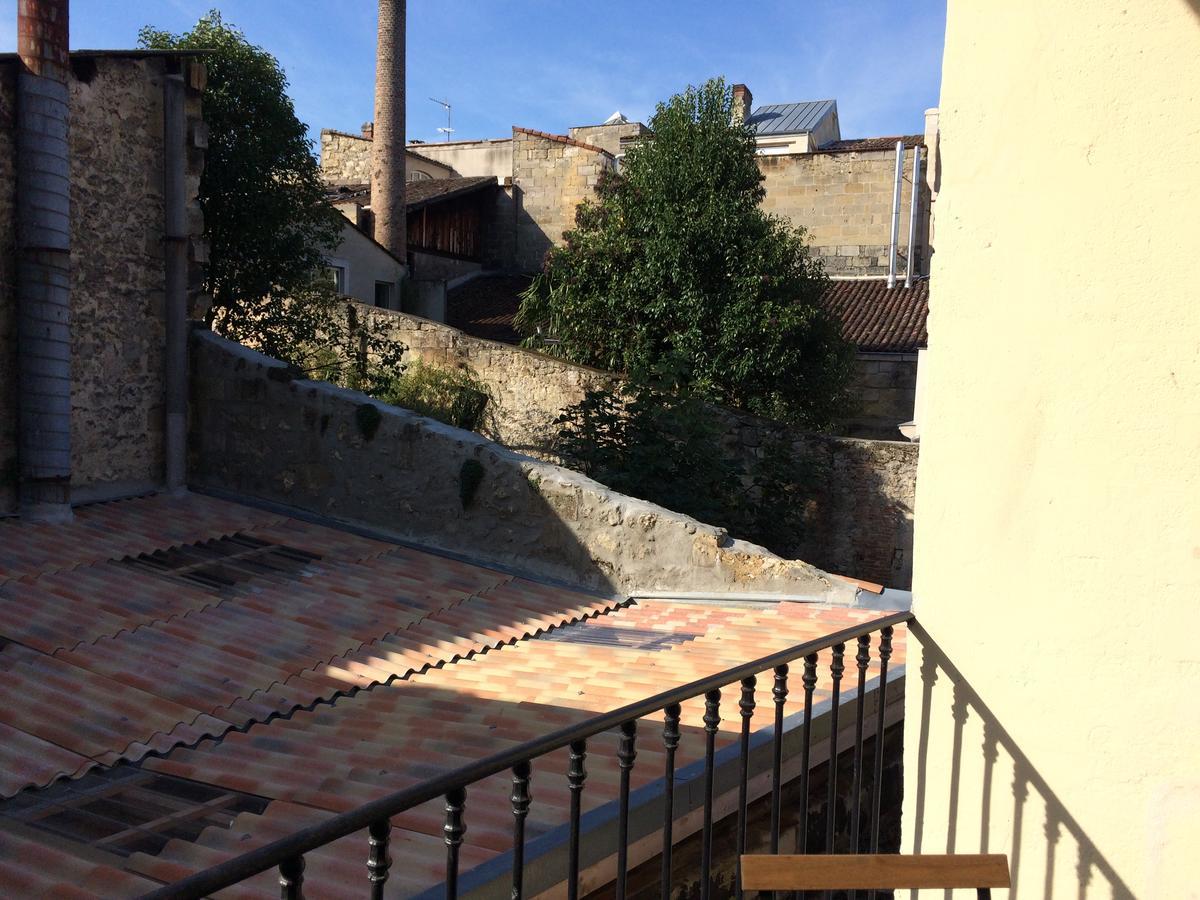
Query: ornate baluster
x: 809, y: 680
x: 746, y: 707
x: 712, y: 718
x: 885, y: 653
x: 779, y: 692
x: 836, y: 668
x: 454, y: 829
x: 378, y: 860
x: 626, y: 752
x: 521, y: 799
x: 863, y: 658
x: 576, y: 776
x: 291, y: 878
x: 671, y: 743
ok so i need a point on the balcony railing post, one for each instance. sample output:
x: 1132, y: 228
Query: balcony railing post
x: 836, y: 668
x: 746, y: 707
x: 378, y: 860
x: 670, y: 743
x: 576, y: 776
x: 779, y: 692
x: 454, y: 829
x: 863, y: 659
x: 712, y: 718
x: 291, y: 878
x: 626, y: 753
x: 521, y: 799
x: 809, y: 680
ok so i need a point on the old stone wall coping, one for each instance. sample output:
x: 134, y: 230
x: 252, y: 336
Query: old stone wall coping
x: 569, y: 526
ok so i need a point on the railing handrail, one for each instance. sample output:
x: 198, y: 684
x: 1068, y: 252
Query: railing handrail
x: 270, y: 855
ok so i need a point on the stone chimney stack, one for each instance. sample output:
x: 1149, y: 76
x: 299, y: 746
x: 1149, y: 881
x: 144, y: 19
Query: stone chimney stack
x: 743, y: 103
x: 387, y: 163
x: 368, y: 130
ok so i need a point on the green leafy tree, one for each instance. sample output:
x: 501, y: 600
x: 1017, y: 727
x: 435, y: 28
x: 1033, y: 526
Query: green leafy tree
x: 675, y: 258
x: 267, y: 221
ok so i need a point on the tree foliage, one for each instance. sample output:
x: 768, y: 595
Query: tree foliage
x: 267, y: 221
x: 655, y: 439
x: 675, y: 259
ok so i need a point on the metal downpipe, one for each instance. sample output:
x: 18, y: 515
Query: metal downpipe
x: 43, y: 261
x: 891, y: 279
x: 914, y: 210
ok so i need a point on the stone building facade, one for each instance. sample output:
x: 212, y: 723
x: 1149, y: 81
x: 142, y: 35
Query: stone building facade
x: 118, y: 274
x: 346, y: 159
x: 552, y: 174
x: 842, y: 197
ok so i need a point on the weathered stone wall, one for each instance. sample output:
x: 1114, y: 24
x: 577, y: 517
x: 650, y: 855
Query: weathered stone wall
x: 860, y: 513
x: 613, y: 138
x: 551, y: 176
x: 117, y: 270
x: 346, y: 159
x: 844, y: 201
x: 886, y: 385
x: 8, y: 288
x: 257, y: 432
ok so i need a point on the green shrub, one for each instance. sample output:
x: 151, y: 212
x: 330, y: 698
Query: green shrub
x: 453, y: 396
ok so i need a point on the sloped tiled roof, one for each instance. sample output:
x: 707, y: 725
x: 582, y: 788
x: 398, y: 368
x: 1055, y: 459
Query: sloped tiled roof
x: 878, y: 320
x: 156, y: 622
x: 485, y: 307
x: 311, y: 669
x: 875, y: 143
x: 416, y: 193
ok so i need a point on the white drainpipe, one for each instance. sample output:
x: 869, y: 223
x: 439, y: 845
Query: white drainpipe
x: 891, y: 281
x: 912, y: 219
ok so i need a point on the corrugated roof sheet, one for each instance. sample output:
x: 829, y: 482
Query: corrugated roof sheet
x: 878, y: 320
x: 790, y: 118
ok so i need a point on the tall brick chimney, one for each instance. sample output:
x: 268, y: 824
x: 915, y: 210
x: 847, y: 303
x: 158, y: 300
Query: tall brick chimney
x: 387, y: 162
x: 743, y: 103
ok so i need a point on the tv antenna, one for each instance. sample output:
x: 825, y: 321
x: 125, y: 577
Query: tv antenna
x: 445, y: 104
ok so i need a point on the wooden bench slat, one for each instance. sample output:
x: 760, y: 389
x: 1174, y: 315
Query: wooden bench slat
x: 886, y: 871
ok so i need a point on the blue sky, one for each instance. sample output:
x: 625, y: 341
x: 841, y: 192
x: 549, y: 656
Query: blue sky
x: 551, y: 64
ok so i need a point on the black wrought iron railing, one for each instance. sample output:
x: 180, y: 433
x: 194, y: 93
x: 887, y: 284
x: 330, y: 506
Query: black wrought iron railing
x: 287, y: 854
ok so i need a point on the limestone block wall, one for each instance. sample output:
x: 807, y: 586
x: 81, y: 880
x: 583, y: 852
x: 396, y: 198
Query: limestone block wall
x: 117, y: 271
x: 310, y: 445
x: 551, y: 175
x: 844, y: 201
x: 609, y: 137
x: 860, y: 512
x: 886, y: 385
x: 346, y: 159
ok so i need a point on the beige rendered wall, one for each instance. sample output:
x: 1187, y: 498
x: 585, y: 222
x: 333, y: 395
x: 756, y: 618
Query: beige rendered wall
x: 470, y: 158
x: 1058, y: 527
x: 366, y: 263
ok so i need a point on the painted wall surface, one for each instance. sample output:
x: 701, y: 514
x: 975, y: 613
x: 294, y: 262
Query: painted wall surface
x: 469, y: 158
x: 117, y: 273
x: 1058, y: 540
x: 366, y: 263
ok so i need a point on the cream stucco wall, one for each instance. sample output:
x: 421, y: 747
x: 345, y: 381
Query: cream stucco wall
x: 1058, y: 502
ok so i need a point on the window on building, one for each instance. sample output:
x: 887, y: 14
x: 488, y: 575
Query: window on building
x: 418, y: 175
x: 340, y: 278
x: 383, y: 294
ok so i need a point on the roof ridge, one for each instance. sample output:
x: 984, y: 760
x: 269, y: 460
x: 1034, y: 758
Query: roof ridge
x: 562, y: 139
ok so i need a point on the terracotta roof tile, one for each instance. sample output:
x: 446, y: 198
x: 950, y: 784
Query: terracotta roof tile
x: 875, y: 143
x: 485, y: 307
x: 878, y: 320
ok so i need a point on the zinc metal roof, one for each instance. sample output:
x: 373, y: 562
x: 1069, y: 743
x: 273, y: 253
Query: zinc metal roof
x: 790, y: 118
